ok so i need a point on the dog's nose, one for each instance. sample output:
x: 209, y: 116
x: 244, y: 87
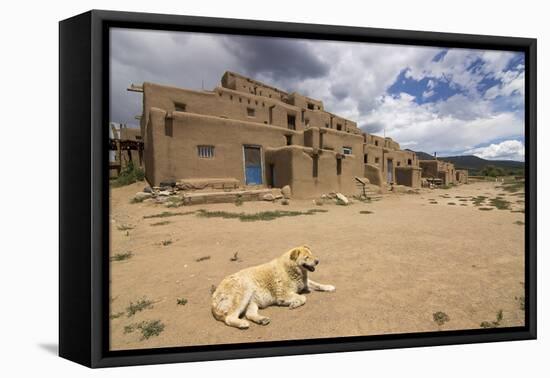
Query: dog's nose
x: 316, y: 261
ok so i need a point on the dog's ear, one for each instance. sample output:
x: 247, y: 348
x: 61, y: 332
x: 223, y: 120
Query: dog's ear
x: 294, y: 254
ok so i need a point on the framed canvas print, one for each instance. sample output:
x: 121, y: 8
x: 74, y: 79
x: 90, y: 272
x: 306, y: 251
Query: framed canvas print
x: 234, y: 188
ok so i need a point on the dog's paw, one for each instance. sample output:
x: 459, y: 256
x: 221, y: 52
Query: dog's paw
x: 297, y: 303
x: 244, y: 325
x: 264, y: 321
x: 329, y: 288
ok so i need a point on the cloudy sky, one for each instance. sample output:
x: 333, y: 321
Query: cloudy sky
x: 449, y: 101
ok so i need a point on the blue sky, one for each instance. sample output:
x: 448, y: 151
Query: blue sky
x: 449, y: 101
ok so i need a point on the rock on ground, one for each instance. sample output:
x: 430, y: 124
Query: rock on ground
x: 142, y: 195
x: 342, y: 198
x: 268, y: 197
x: 286, y: 192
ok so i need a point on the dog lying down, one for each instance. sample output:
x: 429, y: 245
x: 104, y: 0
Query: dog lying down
x: 278, y: 282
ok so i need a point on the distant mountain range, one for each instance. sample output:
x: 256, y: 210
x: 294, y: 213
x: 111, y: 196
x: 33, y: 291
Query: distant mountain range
x: 476, y: 164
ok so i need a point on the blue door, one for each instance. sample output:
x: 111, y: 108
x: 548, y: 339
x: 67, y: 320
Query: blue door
x: 253, y: 165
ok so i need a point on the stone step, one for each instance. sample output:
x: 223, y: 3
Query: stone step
x: 228, y: 183
x: 225, y: 197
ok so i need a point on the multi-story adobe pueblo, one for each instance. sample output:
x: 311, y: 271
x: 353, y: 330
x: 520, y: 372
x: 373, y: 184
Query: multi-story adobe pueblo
x: 253, y: 134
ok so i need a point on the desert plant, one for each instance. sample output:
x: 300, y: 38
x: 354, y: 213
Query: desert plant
x: 239, y: 200
x: 494, y: 323
x: 163, y: 223
x: 121, y: 256
x: 138, y: 306
x: 181, y: 301
x: 500, y: 203
x: 440, y: 317
x: 203, y: 258
x: 129, y: 175
x: 261, y: 216
x: 125, y: 227
x: 148, y: 328
x: 166, y: 214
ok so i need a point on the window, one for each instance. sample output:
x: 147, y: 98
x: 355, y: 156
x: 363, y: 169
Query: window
x: 326, y: 125
x: 347, y: 150
x: 240, y: 99
x: 303, y: 115
x: 377, y: 160
x: 291, y: 121
x: 338, y: 126
x: 398, y: 163
x: 376, y: 143
x: 338, y: 167
x: 310, y: 106
x: 179, y: 106
x: 251, y: 112
x: 231, y: 97
x: 366, y: 158
x: 409, y: 162
x: 169, y: 127
x: 288, y: 140
x: 205, y: 152
x: 307, y: 122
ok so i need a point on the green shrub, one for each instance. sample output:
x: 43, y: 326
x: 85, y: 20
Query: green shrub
x: 440, y: 317
x: 121, y: 256
x: 129, y: 175
x: 140, y: 305
x: 181, y: 301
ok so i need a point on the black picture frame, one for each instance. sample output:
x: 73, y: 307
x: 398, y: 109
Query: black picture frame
x: 84, y: 188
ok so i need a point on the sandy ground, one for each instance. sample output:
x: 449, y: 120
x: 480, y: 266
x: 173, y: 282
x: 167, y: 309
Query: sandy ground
x: 393, y: 269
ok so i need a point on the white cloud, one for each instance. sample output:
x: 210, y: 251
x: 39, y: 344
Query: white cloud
x: 513, y: 83
x: 506, y: 150
x: 428, y: 94
x: 434, y: 127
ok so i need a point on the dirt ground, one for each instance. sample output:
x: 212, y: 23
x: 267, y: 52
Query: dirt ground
x: 392, y: 268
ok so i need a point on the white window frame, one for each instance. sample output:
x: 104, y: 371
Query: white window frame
x: 205, y: 151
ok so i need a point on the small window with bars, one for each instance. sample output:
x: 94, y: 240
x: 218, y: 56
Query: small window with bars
x: 347, y: 150
x: 206, y: 152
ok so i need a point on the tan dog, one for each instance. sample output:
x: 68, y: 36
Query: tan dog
x: 278, y: 282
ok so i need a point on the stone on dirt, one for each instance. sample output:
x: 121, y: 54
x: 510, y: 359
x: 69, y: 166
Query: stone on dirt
x: 140, y: 196
x: 268, y: 197
x: 342, y: 198
x: 286, y: 192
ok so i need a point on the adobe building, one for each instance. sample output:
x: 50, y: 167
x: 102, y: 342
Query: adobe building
x: 386, y: 163
x: 438, y: 171
x: 261, y: 136
x: 461, y: 176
